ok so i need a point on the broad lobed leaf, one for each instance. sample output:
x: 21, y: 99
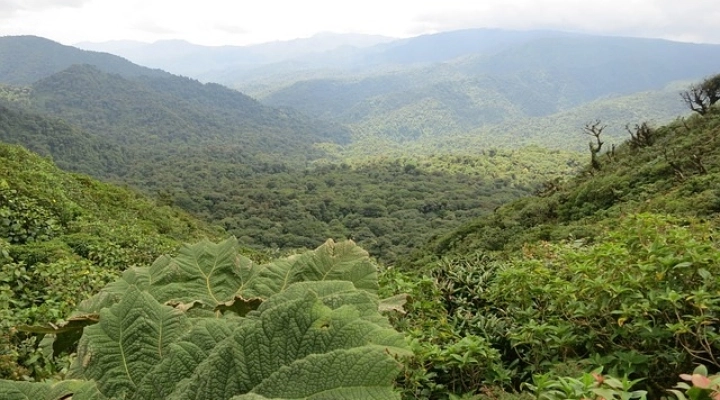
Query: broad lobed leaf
x: 303, y: 327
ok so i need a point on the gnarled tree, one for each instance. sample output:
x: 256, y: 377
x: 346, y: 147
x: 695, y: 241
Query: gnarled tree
x: 702, y: 96
x: 594, y: 129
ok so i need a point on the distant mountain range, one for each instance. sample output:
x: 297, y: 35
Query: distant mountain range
x: 495, y: 93
x: 184, y: 58
x: 486, y: 87
x: 485, y: 84
x: 101, y: 114
x: 26, y: 59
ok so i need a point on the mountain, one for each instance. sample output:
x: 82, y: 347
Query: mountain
x: 26, y: 59
x: 124, y: 103
x: 184, y: 58
x: 157, y: 111
x: 511, y: 84
x: 446, y: 46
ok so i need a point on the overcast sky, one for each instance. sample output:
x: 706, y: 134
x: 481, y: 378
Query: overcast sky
x: 241, y: 22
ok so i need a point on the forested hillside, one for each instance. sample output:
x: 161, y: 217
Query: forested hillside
x: 71, y: 148
x: 26, y: 59
x: 64, y: 236
x: 154, y: 112
x: 273, y: 177
x: 613, y: 269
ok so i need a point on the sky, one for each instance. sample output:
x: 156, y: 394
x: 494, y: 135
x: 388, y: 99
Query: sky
x: 241, y: 22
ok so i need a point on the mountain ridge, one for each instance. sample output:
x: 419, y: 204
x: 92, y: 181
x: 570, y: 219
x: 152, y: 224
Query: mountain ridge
x: 26, y: 59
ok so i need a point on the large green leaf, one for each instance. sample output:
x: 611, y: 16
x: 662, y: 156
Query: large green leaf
x: 206, y: 272
x: 332, y: 261
x: 71, y: 389
x: 303, y: 327
x: 359, y: 373
x: 113, y: 292
x: 64, y: 336
x: 131, y: 338
x: 286, y: 334
x: 184, y: 355
x: 333, y: 294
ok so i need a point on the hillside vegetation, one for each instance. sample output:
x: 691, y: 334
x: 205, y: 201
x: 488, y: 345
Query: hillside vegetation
x: 64, y: 236
x: 616, y: 269
x: 272, y: 177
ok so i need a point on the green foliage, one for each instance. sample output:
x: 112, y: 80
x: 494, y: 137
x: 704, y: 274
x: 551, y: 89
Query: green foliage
x: 310, y: 328
x: 448, y: 359
x: 640, y: 301
x: 63, y: 237
x: 678, y: 174
x: 701, y: 387
x: 628, y: 301
x: 589, y: 386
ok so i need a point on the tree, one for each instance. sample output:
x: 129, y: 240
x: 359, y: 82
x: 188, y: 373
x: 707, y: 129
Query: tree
x: 594, y: 129
x: 701, y: 97
x: 643, y: 136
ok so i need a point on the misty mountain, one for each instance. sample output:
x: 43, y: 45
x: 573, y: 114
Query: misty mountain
x: 149, y: 111
x: 197, y: 61
x: 535, y: 78
x: 134, y: 125
x: 26, y: 59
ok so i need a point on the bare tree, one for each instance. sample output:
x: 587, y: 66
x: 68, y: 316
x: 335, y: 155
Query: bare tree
x: 642, y: 137
x: 702, y: 96
x: 594, y: 129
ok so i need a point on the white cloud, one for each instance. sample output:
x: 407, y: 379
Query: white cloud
x: 242, y: 22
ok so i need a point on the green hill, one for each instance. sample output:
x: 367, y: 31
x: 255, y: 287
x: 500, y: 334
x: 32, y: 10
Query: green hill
x: 158, y: 111
x: 678, y: 175
x: 64, y: 236
x: 614, y: 269
x: 71, y: 148
x: 26, y: 59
